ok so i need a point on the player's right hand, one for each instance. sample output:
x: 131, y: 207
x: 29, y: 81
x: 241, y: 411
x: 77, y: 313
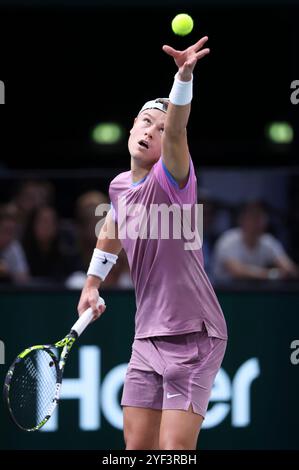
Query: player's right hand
x: 89, y: 298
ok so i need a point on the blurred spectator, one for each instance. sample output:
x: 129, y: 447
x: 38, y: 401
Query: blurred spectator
x: 31, y: 195
x: 209, y: 234
x: 250, y: 253
x: 87, y: 203
x: 42, y: 245
x: 87, y: 222
x: 210, y: 228
x: 216, y: 219
x: 13, y: 264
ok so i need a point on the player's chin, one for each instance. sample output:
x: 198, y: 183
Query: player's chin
x: 146, y: 159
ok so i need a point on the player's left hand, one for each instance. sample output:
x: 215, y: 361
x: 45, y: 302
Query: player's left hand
x: 187, y: 59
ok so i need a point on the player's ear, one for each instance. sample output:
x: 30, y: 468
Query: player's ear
x: 133, y: 124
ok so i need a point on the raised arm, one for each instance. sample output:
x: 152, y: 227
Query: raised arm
x: 107, y: 249
x: 174, y: 140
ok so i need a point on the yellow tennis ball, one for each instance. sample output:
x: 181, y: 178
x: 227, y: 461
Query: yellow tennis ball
x: 182, y: 24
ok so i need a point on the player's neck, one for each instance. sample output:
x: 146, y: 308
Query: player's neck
x: 138, y: 173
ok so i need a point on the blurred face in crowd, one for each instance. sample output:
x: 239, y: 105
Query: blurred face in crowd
x: 33, y: 195
x: 145, y: 137
x: 209, y: 211
x: 7, y: 232
x: 87, y: 229
x: 45, y: 225
x: 253, y: 221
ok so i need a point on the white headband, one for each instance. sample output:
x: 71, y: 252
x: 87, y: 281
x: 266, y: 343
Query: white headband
x: 155, y: 104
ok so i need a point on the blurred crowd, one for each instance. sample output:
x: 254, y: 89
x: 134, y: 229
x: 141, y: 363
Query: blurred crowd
x: 38, y: 246
x: 238, y: 245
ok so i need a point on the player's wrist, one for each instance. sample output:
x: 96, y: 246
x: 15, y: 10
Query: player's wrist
x: 93, y: 282
x: 184, y: 76
x: 182, y: 90
x: 101, y: 264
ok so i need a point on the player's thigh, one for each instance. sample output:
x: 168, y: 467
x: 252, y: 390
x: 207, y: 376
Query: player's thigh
x: 141, y: 427
x: 179, y: 429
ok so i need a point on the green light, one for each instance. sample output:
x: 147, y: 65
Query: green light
x: 280, y: 132
x: 107, y: 133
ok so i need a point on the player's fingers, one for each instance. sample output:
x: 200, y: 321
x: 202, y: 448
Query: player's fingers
x: 170, y: 51
x: 199, y: 44
x: 97, y: 308
x: 93, y: 304
x: 190, y: 64
x: 202, y: 53
x: 102, y: 308
x: 82, y: 306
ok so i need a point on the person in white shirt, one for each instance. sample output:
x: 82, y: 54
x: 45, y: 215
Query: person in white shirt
x: 13, y: 263
x: 248, y: 252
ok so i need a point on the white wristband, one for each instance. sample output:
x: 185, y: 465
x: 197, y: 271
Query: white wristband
x: 101, y: 263
x: 181, y: 92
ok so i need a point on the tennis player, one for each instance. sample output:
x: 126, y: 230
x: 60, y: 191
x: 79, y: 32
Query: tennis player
x: 180, y: 337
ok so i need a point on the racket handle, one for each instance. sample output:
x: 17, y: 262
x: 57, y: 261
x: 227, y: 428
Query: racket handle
x: 85, y: 318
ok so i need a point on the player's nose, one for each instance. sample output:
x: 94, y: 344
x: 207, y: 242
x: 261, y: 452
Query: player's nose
x: 149, y: 133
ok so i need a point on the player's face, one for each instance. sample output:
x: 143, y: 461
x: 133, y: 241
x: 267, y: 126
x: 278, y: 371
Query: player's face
x: 145, y: 136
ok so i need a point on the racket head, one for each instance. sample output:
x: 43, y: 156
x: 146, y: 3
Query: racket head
x: 32, y: 386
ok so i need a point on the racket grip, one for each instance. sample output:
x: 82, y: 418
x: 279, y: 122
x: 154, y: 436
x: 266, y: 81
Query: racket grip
x: 85, y: 318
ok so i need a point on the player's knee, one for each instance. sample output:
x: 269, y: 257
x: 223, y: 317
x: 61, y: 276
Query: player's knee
x: 175, y: 440
x: 134, y: 441
x: 139, y: 443
x: 169, y: 443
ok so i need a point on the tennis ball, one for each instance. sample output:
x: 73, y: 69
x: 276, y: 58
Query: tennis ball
x: 182, y: 24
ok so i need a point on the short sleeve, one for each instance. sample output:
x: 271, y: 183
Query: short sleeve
x: 185, y: 195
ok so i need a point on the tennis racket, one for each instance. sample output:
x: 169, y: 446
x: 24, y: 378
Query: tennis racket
x: 33, y: 382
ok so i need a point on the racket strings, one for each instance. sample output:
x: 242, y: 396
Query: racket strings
x: 32, y: 388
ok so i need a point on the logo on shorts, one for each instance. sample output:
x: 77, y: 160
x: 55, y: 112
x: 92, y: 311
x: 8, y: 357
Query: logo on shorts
x: 174, y: 395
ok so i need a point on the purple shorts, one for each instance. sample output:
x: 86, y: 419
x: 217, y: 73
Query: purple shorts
x: 173, y: 372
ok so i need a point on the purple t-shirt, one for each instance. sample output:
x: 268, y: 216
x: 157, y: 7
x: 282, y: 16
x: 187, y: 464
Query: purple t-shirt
x: 173, y: 293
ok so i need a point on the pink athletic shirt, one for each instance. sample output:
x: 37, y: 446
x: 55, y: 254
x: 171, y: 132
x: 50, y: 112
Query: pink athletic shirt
x: 173, y: 293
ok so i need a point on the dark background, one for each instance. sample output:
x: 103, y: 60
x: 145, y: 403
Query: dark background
x: 65, y: 69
